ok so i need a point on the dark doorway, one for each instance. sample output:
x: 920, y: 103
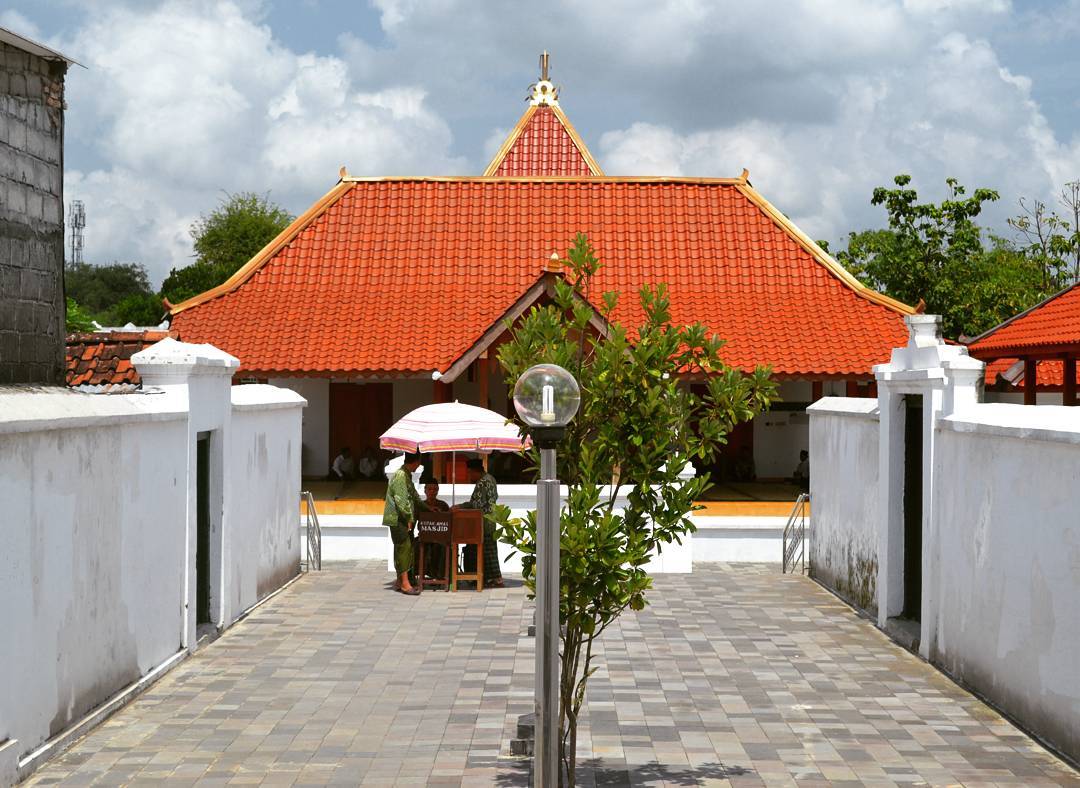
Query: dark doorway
x: 359, y: 414
x: 913, y: 500
x: 202, y: 538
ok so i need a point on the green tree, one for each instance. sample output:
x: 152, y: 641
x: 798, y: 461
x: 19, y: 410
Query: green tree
x: 1051, y: 240
x: 99, y: 288
x: 141, y: 309
x: 637, y: 422
x: 76, y: 321
x: 936, y: 253
x: 224, y: 240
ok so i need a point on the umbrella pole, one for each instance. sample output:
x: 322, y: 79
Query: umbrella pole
x: 453, y: 478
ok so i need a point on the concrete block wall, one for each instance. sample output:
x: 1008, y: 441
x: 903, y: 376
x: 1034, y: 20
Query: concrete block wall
x: 31, y: 218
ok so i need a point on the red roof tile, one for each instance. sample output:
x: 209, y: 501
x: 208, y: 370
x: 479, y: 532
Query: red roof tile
x: 1048, y: 328
x: 543, y: 144
x: 103, y: 357
x: 404, y: 275
x: 1050, y: 374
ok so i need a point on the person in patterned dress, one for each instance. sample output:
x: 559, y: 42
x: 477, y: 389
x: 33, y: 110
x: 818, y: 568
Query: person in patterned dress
x: 485, y: 494
x: 399, y: 514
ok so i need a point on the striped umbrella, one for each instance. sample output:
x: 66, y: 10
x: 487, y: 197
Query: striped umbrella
x: 452, y: 427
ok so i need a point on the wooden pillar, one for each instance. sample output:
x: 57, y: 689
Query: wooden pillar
x: 482, y: 379
x: 817, y: 389
x: 852, y: 388
x: 1030, y: 380
x: 1068, y: 396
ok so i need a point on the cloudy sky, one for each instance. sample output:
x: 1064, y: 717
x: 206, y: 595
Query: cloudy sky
x: 184, y: 100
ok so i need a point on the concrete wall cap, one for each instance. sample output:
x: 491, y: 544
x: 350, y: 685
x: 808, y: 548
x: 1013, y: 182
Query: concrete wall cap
x: 172, y: 358
x: 858, y: 407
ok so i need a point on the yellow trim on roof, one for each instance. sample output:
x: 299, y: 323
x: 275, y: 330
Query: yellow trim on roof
x: 815, y: 250
x: 299, y: 224
x: 545, y: 179
x: 516, y: 132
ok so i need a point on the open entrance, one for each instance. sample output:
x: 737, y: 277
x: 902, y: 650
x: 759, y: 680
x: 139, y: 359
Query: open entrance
x: 913, y: 505
x: 202, y: 537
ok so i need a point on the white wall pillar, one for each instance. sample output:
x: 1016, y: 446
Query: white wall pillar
x: 948, y: 380
x: 203, y: 374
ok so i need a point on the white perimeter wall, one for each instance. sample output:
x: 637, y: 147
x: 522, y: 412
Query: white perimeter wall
x: 1008, y: 509
x: 315, y: 454
x: 262, y: 548
x: 844, y: 497
x: 92, y: 575
x: 97, y: 574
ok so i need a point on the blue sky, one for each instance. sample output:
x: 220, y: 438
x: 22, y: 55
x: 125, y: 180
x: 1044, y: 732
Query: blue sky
x: 184, y: 100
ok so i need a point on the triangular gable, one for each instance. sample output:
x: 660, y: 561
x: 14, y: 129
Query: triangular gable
x: 543, y: 144
x: 544, y: 286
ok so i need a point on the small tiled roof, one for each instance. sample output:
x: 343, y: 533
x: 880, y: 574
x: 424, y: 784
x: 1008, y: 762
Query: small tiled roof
x: 1052, y: 327
x: 1009, y: 373
x: 543, y: 143
x: 402, y: 276
x: 102, y: 358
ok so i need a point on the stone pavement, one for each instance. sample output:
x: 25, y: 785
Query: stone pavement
x: 734, y: 675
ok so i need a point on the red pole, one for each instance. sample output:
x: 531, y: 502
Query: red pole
x: 1068, y: 396
x: 1030, y: 380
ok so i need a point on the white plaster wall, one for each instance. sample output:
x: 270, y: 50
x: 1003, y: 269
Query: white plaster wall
x: 410, y: 395
x: 1009, y: 614
x: 843, y: 551
x: 93, y: 504
x: 779, y: 436
x: 315, y: 454
x: 262, y: 544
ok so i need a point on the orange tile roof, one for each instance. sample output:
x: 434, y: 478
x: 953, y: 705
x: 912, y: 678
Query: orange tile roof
x: 102, y: 358
x: 1050, y: 374
x: 544, y: 143
x: 1052, y: 327
x: 404, y: 275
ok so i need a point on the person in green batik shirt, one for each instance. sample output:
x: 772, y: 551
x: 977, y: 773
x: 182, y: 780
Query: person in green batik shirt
x: 399, y: 514
x: 485, y: 494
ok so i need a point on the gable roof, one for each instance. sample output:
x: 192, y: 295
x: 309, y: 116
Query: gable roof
x: 1048, y: 328
x: 402, y: 276
x: 1008, y: 374
x: 543, y: 143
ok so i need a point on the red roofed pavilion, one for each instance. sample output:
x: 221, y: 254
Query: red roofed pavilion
x: 1045, y: 338
x: 386, y: 283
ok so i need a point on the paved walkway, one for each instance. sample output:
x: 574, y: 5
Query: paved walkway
x: 735, y: 675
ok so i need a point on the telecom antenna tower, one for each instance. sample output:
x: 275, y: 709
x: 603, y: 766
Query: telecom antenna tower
x: 76, y: 221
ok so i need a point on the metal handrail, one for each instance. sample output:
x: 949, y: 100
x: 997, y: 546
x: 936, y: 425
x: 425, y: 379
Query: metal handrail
x: 314, y: 533
x: 794, y: 547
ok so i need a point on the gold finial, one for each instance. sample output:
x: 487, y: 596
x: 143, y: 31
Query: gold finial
x: 543, y: 91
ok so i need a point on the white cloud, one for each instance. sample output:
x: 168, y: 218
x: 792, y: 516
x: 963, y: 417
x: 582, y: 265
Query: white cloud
x: 18, y: 23
x: 187, y: 100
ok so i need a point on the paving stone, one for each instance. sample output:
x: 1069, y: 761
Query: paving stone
x: 734, y: 675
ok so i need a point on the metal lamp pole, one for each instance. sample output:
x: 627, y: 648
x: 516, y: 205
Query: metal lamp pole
x: 546, y: 751
x: 546, y: 398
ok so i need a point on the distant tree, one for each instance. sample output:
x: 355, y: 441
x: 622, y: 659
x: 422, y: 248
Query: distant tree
x: 75, y: 318
x: 936, y: 253
x: 140, y: 309
x: 1051, y: 240
x: 99, y: 288
x: 224, y: 240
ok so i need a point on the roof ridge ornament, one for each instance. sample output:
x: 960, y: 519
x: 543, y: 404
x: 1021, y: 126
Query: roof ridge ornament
x: 544, y: 92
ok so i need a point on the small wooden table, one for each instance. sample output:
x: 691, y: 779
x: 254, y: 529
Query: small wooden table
x: 451, y: 529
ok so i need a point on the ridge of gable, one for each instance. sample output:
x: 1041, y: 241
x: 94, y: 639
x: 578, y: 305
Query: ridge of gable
x: 534, y: 129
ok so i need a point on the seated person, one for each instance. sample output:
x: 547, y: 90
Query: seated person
x: 744, y: 470
x: 431, y: 497
x: 434, y: 555
x: 484, y: 496
x: 370, y: 465
x: 344, y: 466
x: 801, y: 476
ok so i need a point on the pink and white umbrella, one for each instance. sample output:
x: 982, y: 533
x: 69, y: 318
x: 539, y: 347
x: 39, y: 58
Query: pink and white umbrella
x: 452, y: 426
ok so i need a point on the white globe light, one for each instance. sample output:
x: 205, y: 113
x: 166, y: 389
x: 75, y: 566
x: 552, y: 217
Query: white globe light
x: 546, y: 396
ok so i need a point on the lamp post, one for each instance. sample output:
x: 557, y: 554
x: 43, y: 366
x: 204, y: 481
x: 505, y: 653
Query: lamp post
x: 546, y: 397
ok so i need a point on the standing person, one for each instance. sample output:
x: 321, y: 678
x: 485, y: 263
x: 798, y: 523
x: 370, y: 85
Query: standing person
x: 802, y: 470
x: 399, y: 512
x: 485, y: 494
